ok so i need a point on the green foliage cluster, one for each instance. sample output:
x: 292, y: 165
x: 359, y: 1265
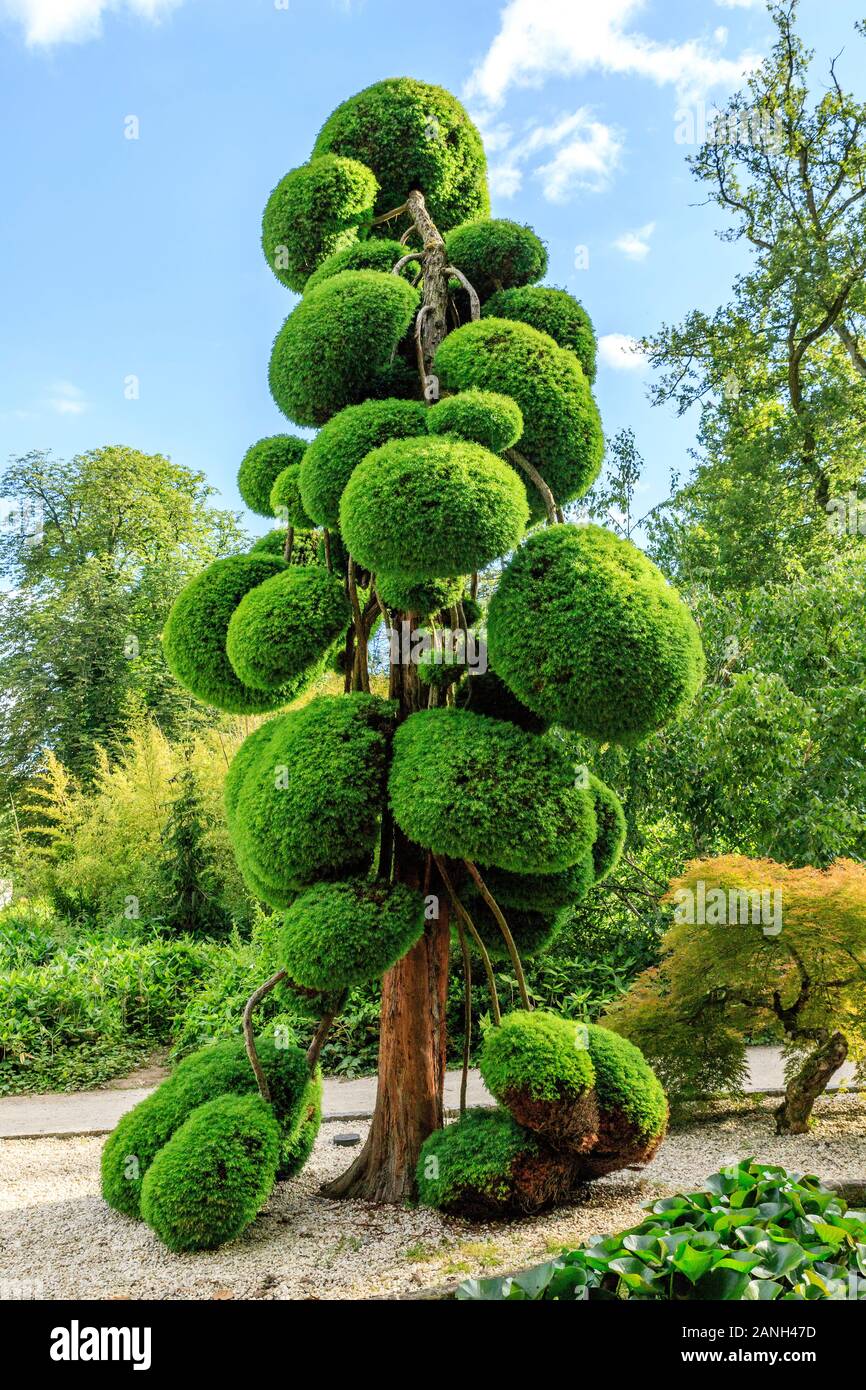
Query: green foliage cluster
x: 561, y: 427
x: 538, y: 1053
x: 626, y: 1086
x: 587, y: 632
x: 304, y: 791
x: 496, y: 254
x: 262, y: 465
x: 541, y: 892
x: 470, y: 787
x: 376, y: 254
x: 485, y: 693
x: 554, y: 312
x: 753, y: 1232
x: 194, y: 637
x: 280, y: 630
x: 432, y: 507
x: 532, y: 930
x: 343, y: 442
x: 340, y: 934
x: 610, y: 820
x: 313, y: 213
x: 483, y: 417
x: 405, y: 594
x: 412, y: 135
x: 285, y: 500
x: 219, y: 1069
x: 214, y: 1175
x: 472, y: 1161
x: 336, y: 347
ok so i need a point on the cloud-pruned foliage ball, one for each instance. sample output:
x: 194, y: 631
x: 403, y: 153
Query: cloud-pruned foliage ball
x: 485, y: 693
x: 413, y: 136
x: 483, y: 417
x: 271, y: 543
x: 587, y: 631
x: 215, y: 1070
x: 554, y: 312
x: 562, y: 433
x: 496, y: 254
x: 194, y: 637
x: 633, y: 1109
x: 404, y: 594
x: 378, y: 253
x: 538, y: 1053
x: 610, y: 818
x: 314, y: 212
x: 538, y: 1066
x: 286, y: 501
x: 542, y: 893
x: 214, y: 1175
x: 343, y: 442
x: 471, y: 1167
x: 262, y: 464
x: 340, y: 934
x: 336, y: 346
x: 284, y: 627
x: 470, y: 787
x: 533, y: 932
x: 297, y: 1143
x: 432, y: 507
x: 304, y: 801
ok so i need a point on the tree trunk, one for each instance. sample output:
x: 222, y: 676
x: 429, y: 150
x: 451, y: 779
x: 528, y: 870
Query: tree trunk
x: 411, y: 1072
x: 793, y: 1115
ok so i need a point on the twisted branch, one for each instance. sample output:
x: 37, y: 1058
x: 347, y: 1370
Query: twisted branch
x: 553, y: 514
x: 506, y: 932
x: 463, y: 914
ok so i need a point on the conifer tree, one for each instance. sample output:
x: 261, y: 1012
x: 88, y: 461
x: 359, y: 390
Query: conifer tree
x: 452, y: 397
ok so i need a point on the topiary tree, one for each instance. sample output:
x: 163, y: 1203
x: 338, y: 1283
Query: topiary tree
x: 384, y: 827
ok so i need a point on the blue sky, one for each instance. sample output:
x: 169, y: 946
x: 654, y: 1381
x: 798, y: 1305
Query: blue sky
x: 140, y: 258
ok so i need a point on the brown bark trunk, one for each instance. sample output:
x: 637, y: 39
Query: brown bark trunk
x: 793, y: 1115
x: 411, y: 1071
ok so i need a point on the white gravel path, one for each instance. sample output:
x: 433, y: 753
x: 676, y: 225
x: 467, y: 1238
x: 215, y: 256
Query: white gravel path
x: 56, y: 1232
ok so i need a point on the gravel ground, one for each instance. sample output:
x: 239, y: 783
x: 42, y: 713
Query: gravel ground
x: 59, y: 1240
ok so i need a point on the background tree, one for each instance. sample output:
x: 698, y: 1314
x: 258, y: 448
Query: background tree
x: 86, y: 597
x: 755, y: 947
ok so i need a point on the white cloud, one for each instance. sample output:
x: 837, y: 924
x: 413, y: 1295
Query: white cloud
x: 584, y: 153
x: 74, y: 21
x: 564, y: 38
x: 66, y: 399
x: 621, y: 353
x: 636, y: 245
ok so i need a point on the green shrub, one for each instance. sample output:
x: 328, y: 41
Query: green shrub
x: 341, y: 934
x: 194, y: 637
x: 468, y: 1167
x: 297, y: 1144
x: 271, y: 543
x: 485, y: 693
x: 755, y: 1232
x: 610, y: 819
x: 561, y: 427
x: 314, y: 212
x: 220, y: 1069
x: 262, y: 464
x: 470, y: 787
x: 496, y: 254
x: 537, y: 1053
x: 376, y: 254
x: 286, y: 499
x: 588, y: 633
x: 432, y: 507
x: 336, y: 346
x: 214, y: 1175
x: 404, y: 594
x: 303, y: 802
x: 282, y: 629
x: 343, y: 442
x: 29, y: 934
x: 554, y: 312
x: 632, y: 1105
x: 482, y: 417
x: 412, y: 135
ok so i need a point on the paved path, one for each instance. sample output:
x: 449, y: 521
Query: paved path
x: 97, y: 1112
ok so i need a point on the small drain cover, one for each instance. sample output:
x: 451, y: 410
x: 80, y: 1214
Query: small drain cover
x: 347, y: 1141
